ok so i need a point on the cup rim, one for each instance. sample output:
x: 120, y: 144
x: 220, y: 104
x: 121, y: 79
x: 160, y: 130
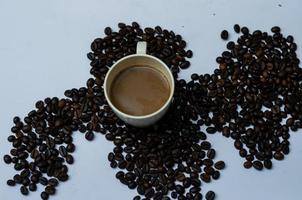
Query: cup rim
x: 141, y: 116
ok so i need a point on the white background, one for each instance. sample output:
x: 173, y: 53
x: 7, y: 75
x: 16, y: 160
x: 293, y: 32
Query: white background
x: 43, y: 46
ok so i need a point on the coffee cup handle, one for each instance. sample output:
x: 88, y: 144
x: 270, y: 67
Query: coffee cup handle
x: 141, y: 48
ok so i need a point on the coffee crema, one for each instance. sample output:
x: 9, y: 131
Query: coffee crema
x: 139, y: 90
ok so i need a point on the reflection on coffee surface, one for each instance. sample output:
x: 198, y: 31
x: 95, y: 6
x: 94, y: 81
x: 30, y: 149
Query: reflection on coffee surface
x: 139, y: 90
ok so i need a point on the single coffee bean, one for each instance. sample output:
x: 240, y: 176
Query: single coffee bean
x: 278, y: 156
x: 137, y: 198
x: 44, y: 195
x: 211, y: 130
x: 258, y: 165
x: 247, y: 164
x: 267, y: 164
x: 198, y: 196
x: 69, y: 159
x: 108, y: 31
x: 219, y: 165
x: 189, y: 54
x: 205, y: 145
x: 179, y: 189
x: 185, y: 65
x: 149, y: 193
x: 43, y: 181
x: 89, y: 136
x: 205, y: 177
x: 211, y: 153
x: 237, y: 28
x: 7, y: 159
x: 50, y: 190
x: 25, y: 181
x: 195, y: 189
x: 210, y: 195
x: 11, y: 182
x: 70, y: 148
x: 62, y: 151
x: 53, y: 182
x: 245, y: 30
x: 18, y: 179
x: 32, y: 187
x: 275, y: 29
x: 224, y: 35
x: 24, y: 190
x: 216, y: 175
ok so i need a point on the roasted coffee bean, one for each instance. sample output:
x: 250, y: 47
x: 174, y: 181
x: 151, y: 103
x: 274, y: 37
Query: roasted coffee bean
x: 89, y: 136
x: 211, y: 153
x: 205, y: 177
x: 198, y: 196
x: 179, y: 189
x: 44, y: 195
x: 18, y: 179
x: 70, y: 148
x: 25, y: 181
x: 185, y: 65
x: 149, y: 193
x: 245, y: 30
x: 53, y: 182
x: 50, y: 190
x: 258, y: 165
x: 174, y: 195
x: 238, y: 145
x: 205, y: 145
x: 237, y: 28
x: 194, y: 76
x: 43, y: 181
x: 195, y: 189
x: 11, y: 182
x: 210, y: 195
x: 24, y: 190
x: 7, y: 159
x: 219, y: 165
x: 275, y: 29
x: 211, y: 130
x: 224, y: 35
x: 62, y: 151
x: 247, y: 164
x: 137, y: 198
x: 242, y: 153
x: 278, y: 156
x: 267, y: 164
x: 69, y: 159
x: 32, y: 187
x: 216, y: 175
x: 189, y: 54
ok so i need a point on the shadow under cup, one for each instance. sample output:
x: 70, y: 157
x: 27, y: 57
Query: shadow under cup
x: 143, y: 60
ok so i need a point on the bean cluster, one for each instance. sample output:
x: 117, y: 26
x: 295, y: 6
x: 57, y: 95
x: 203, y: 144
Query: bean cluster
x: 252, y: 97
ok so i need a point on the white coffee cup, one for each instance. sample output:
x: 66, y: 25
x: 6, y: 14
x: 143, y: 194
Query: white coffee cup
x: 140, y: 58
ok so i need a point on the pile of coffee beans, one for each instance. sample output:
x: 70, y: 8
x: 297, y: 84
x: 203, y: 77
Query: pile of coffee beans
x: 172, y: 157
x: 161, y: 43
x: 253, y: 97
x: 42, y: 145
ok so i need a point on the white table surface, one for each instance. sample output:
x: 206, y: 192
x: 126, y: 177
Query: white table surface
x: 43, y: 48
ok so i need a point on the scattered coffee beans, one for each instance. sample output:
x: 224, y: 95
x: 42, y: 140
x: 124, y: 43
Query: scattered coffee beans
x: 255, y: 88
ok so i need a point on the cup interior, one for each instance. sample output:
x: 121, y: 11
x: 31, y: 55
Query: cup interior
x: 133, y: 60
